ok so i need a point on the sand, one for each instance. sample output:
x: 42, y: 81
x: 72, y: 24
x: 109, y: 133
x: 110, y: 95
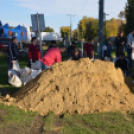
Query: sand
x: 77, y: 87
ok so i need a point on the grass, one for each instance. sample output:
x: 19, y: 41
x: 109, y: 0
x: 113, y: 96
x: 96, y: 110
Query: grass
x: 12, y: 118
x: 103, y: 123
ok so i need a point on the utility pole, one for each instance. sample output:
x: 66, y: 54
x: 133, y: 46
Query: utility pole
x: 70, y: 25
x: 105, y: 19
x: 101, y: 19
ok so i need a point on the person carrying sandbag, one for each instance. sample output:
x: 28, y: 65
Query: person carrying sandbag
x: 13, y: 53
x: 34, y: 54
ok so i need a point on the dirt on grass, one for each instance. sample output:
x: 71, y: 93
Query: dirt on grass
x: 77, y: 87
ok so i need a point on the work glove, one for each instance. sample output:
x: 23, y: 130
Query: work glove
x: 92, y: 59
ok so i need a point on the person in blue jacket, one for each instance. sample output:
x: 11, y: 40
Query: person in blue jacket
x: 13, y: 53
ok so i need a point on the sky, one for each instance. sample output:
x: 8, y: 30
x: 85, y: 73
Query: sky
x: 15, y: 12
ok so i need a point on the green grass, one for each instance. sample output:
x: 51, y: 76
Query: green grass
x: 103, y: 123
x: 10, y: 114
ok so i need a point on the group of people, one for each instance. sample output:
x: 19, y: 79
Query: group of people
x: 75, y: 54
x: 53, y: 53
x: 122, y: 44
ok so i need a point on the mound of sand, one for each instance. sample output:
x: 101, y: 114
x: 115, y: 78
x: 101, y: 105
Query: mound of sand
x: 77, y: 87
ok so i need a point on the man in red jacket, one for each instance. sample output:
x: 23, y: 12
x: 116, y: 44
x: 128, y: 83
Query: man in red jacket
x: 34, y: 54
x: 52, y: 56
x: 34, y: 51
x: 89, y: 49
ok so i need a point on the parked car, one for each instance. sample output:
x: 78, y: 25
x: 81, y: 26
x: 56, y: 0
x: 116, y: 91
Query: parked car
x: 4, y: 42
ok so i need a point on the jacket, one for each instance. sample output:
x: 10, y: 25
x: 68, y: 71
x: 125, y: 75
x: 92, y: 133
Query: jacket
x: 77, y: 57
x: 118, y: 42
x: 130, y: 41
x: 122, y: 64
x: 12, y: 51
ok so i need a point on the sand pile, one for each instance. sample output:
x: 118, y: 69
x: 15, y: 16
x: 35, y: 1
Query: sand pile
x: 77, y: 86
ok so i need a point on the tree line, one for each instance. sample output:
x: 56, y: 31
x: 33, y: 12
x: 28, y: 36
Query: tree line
x: 88, y: 27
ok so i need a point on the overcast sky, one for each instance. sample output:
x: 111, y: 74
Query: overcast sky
x: 17, y: 12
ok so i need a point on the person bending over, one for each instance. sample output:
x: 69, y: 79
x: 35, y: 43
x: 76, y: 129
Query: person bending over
x: 52, y: 56
x: 107, y: 50
x: 71, y: 48
x: 76, y: 54
x: 88, y: 49
x: 122, y: 63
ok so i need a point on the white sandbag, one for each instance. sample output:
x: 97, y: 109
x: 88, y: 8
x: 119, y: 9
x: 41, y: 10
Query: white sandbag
x: 12, y: 72
x: 15, y: 81
x: 36, y: 65
x: 25, y: 72
x: 26, y: 80
x: 133, y: 56
x: 16, y: 66
x: 34, y: 73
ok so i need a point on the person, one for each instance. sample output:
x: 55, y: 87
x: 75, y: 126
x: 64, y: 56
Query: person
x: 71, y: 48
x: 76, y: 54
x: 53, y: 44
x: 130, y: 47
x: 88, y: 49
x: 107, y: 50
x: 52, y: 56
x: 122, y: 63
x: 120, y: 44
x: 13, y: 53
x: 34, y: 51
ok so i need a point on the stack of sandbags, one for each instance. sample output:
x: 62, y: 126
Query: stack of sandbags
x: 18, y: 77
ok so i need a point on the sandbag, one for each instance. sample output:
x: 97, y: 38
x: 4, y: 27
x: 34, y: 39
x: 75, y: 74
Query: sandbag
x: 133, y: 56
x: 36, y: 65
x: 25, y: 72
x: 12, y: 72
x: 15, y: 81
x: 26, y: 79
x: 16, y: 66
x: 21, y: 77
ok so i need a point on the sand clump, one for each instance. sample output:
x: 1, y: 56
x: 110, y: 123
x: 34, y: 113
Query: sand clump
x: 77, y: 87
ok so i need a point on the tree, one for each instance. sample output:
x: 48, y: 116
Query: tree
x: 88, y: 27
x: 64, y: 30
x: 112, y: 28
x: 129, y: 16
x: 49, y: 29
x: 122, y: 15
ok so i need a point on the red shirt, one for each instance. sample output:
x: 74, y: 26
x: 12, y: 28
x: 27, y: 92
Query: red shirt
x: 52, y: 56
x: 34, y: 52
x: 89, y: 48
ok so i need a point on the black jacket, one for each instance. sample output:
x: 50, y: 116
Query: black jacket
x: 118, y: 42
x: 77, y: 57
x: 70, y: 49
x: 122, y: 64
x: 13, y: 53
